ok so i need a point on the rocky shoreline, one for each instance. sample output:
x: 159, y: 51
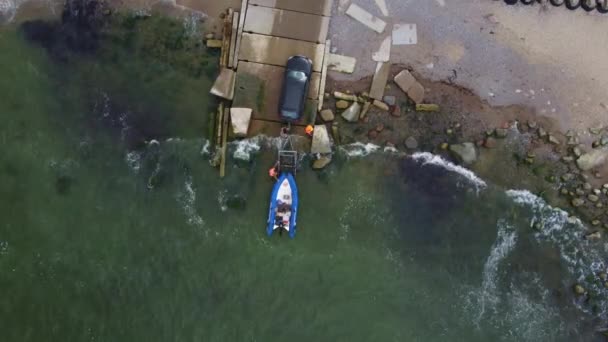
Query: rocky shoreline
x: 511, y: 146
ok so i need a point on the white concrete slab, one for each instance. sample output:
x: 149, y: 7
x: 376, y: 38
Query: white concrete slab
x: 366, y: 18
x: 287, y: 24
x: 240, y: 118
x: 235, y: 62
x: 384, y: 52
x: 405, y: 34
x: 224, y: 84
x: 382, y: 6
x: 318, y: 7
x: 341, y: 63
x: 320, y: 140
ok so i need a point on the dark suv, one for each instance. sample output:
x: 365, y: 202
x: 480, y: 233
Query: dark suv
x: 295, y: 88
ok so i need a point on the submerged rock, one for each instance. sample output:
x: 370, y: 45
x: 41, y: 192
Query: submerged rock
x: 592, y: 159
x: 390, y: 100
x: 465, y: 152
x: 593, y: 236
x: 411, y: 143
x: 578, y: 290
x: 321, y: 163
x: 593, y: 198
x: 352, y: 113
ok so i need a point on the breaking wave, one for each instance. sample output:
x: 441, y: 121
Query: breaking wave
x: 428, y: 158
x: 488, y: 297
x: 359, y: 149
x: 582, y: 258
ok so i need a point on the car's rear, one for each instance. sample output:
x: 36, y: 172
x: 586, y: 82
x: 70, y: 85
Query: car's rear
x: 295, y: 88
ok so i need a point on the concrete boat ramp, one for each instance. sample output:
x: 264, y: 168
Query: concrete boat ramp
x: 273, y: 31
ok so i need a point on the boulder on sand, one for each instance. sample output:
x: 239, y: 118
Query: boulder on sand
x: 592, y: 159
x: 327, y: 115
x: 464, y: 152
x: 351, y: 114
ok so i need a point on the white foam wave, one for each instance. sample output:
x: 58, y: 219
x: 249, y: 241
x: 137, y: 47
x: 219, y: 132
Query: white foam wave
x: 488, y: 297
x: 187, y: 198
x: 221, y: 200
x: 205, y: 150
x: 582, y: 259
x: 359, y: 149
x: 8, y: 10
x: 429, y: 158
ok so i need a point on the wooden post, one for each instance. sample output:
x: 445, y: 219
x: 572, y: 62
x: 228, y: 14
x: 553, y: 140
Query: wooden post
x: 224, y: 142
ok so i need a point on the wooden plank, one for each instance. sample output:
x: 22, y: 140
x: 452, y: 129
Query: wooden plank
x: 287, y: 24
x: 224, y: 147
x: 321, y: 96
x: 275, y: 50
x: 318, y: 7
x: 233, y: 34
x: 242, y: 18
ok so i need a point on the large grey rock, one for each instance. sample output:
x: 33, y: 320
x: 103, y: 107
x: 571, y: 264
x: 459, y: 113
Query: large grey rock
x: 592, y: 159
x: 351, y: 114
x: 240, y: 118
x: 320, y: 140
x: 224, y: 84
x: 411, y: 143
x: 464, y: 152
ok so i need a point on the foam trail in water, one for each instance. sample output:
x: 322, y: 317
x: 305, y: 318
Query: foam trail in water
x: 359, y: 149
x: 8, y: 9
x: 429, y: 158
x: 504, y: 244
x: 187, y: 199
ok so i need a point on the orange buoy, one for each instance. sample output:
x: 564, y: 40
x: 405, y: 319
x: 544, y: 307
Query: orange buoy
x: 309, y: 130
x: 272, y: 172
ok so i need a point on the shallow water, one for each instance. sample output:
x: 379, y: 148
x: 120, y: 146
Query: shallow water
x: 108, y: 236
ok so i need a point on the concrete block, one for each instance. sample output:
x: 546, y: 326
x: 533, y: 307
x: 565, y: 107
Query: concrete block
x: 287, y: 24
x: 379, y: 81
x: 240, y: 118
x: 405, y: 34
x: 384, y: 52
x: 366, y: 18
x: 224, y: 84
x: 405, y: 80
x: 320, y: 140
x: 341, y: 63
x: 274, y: 50
x: 416, y: 93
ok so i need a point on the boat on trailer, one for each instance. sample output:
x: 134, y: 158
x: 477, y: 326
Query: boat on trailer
x: 283, y: 206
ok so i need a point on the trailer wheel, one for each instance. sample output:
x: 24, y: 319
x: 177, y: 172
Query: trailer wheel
x: 556, y: 3
x: 573, y: 4
x: 602, y: 6
x: 510, y: 2
x: 528, y: 2
x: 588, y: 5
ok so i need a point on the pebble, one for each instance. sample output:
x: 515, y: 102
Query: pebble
x: 597, y: 191
x: 599, y: 205
x: 396, y: 112
x: 595, y: 223
x: 570, y: 133
x: 380, y: 127
x: 341, y: 104
x: 411, y: 143
x: 577, y: 152
x: 577, y: 202
x: 490, y: 142
x: 541, y: 132
x: 566, y: 177
x: 553, y: 140
x: 532, y: 124
x: 579, y: 290
x: 449, y: 131
x: 444, y: 146
x: 372, y: 134
x: 580, y: 192
x: 595, y: 130
x: 564, y: 191
x: 501, y: 132
x: 327, y: 115
x: 593, y: 198
x: 567, y: 159
x: 390, y: 100
x: 587, y: 186
x: 604, y: 140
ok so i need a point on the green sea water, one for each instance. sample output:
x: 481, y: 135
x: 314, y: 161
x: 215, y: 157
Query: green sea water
x: 105, y: 236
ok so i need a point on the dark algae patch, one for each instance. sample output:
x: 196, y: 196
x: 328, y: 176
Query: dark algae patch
x: 140, y: 77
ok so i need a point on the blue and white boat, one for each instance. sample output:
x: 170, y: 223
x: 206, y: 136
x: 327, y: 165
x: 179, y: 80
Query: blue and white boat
x: 283, y: 206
